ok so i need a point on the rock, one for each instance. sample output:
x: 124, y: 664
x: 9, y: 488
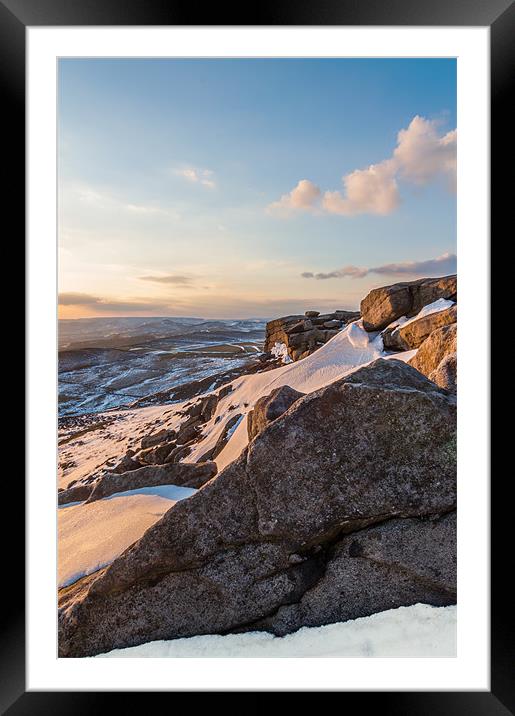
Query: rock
x: 276, y: 330
x: 299, y: 327
x: 411, y: 335
x: 223, y: 438
x: 202, y: 410
x: 384, y: 305
x: 78, y: 493
x: 182, y: 474
x: 298, y: 353
x: 160, y: 437
x: 209, y: 403
x: 403, y: 561
x: 329, y: 334
x: 438, y: 345
x: 390, y: 339
x: 225, y: 391
x: 156, y: 455
x: 322, y: 318
x: 269, y: 408
x: 307, y: 339
x: 201, y: 477
x: 376, y: 446
x: 347, y: 316
x: 264, y: 357
x: 127, y: 463
x: 301, y: 335
x: 446, y: 374
x: 178, y: 453
x: 188, y: 431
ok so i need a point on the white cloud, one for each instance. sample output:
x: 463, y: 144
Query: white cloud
x: 304, y: 196
x: 367, y: 191
x: 197, y: 176
x: 421, y: 156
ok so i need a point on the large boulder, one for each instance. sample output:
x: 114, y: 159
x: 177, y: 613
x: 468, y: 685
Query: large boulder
x: 412, y: 334
x: 437, y: 357
x: 269, y: 408
x: 375, y: 446
x: 396, y: 562
x: 182, y: 474
x: 383, y: 305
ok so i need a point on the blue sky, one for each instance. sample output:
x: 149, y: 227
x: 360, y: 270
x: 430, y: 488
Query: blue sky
x: 179, y: 184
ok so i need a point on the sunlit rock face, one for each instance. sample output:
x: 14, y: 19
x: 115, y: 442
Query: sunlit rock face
x: 383, y: 305
x: 302, y: 335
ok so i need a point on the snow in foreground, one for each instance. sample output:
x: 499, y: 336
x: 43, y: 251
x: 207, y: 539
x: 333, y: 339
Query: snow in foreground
x: 420, y: 630
x: 92, y: 536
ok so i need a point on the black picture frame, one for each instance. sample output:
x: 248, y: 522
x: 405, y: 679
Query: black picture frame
x: 499, y: 15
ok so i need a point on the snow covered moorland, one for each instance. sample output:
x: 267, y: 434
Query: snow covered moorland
x: 320, y: 492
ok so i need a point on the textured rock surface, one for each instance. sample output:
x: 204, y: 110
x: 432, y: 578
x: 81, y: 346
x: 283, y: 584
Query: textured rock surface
x: 405, y: 561
x: 181, y: 474
x: 127, y: 463
x: 384, y: 305
x: 78, y: 493
x: 269, y: 408
x: 377, y: 445
x: 302, y: 335
x: 442, y: 342
x: 223, y: 438
x: 447, y: 373
x: 162, y: 436
x: 156, y: 455
x: 413, y: 334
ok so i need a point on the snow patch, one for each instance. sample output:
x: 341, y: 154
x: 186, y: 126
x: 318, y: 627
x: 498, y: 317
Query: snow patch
x: 92, y: 536
x: 417, y: 631
x: 281, y: 351
x: 440, y: 304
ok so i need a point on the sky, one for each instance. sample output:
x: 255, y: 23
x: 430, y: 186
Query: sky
x: 238, y: 188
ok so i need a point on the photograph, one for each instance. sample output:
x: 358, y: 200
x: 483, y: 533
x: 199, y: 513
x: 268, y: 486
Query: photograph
x: 257, y: 357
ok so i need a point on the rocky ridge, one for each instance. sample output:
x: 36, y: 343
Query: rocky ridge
x: 302, y: 335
